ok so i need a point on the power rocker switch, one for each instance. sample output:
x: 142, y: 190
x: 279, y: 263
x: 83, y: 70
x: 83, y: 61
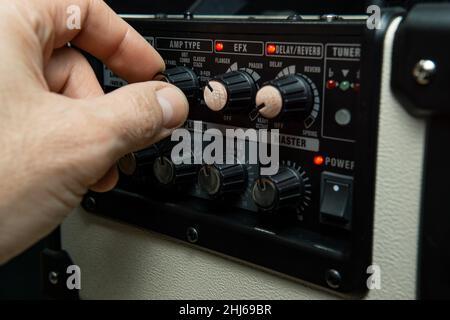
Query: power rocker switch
x: 336, y: 199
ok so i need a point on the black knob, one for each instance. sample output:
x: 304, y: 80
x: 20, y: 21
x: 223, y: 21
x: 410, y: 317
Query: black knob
x: 285, y: 95
x: 231, y: 92
x: 138, y: 163
x: 284, y: 189
x: 222, y: 178
x: 184, y: 78
x: 168, y: 173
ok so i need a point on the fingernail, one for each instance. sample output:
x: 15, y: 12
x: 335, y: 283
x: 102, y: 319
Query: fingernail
x: 174, y: 106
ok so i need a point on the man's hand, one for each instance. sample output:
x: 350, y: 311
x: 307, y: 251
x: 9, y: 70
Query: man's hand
x: 59, y: 134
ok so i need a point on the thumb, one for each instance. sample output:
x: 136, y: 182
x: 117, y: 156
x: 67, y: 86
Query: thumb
x: 141, y: 114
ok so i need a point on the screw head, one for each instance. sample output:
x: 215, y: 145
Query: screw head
x: 424, y: 71
x: 188, y: 15
x: 294, y: 17
x: 53, y: 277
x: 330, y: 17
x: 333, y: 278
x: 89, y: 203
x: 192, y: 235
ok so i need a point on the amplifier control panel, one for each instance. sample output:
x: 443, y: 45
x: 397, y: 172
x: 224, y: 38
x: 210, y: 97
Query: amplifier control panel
x: 274, y: 165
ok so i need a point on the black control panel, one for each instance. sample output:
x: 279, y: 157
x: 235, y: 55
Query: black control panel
x: 311, y: 218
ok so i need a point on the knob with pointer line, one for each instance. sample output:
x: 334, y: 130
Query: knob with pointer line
x: 219, y: 179
x: 284, y: 189
x: 138, y: 163
x: 168, y: 173
x: 285, y: 95
x: 230, y: 92
x: 183, y: 78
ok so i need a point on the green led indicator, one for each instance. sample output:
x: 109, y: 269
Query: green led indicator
x: 344, y: 85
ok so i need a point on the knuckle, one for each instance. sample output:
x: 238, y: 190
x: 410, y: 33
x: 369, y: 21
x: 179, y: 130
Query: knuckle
x: 146, y: 114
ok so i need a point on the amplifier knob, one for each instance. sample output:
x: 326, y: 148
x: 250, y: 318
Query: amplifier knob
x: 184, y: 78
x: 139, y: 163
x: 287, y: 94
x: 168, y: 173
x: 285, y: 189
x: 231, y: 92
x: 222, y: 178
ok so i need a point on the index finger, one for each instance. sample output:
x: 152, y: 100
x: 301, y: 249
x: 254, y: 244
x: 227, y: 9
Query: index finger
x: 106, y: 36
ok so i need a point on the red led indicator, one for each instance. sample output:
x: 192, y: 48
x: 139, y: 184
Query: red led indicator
x: 331, y: 84
x: 271, y: 48
x: 219, y: 46
x: 318, y: 160
x: 356, y: 87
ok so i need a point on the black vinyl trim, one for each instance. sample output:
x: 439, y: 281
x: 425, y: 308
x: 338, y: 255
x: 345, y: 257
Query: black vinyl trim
x: 434, y: 243
x: 424, y: 34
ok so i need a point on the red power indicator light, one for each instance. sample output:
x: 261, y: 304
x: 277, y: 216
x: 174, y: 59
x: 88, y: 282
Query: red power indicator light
x: 219, y: 46
x: 271, y: 48
x: 331, y: 84
x: 318, y: 160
